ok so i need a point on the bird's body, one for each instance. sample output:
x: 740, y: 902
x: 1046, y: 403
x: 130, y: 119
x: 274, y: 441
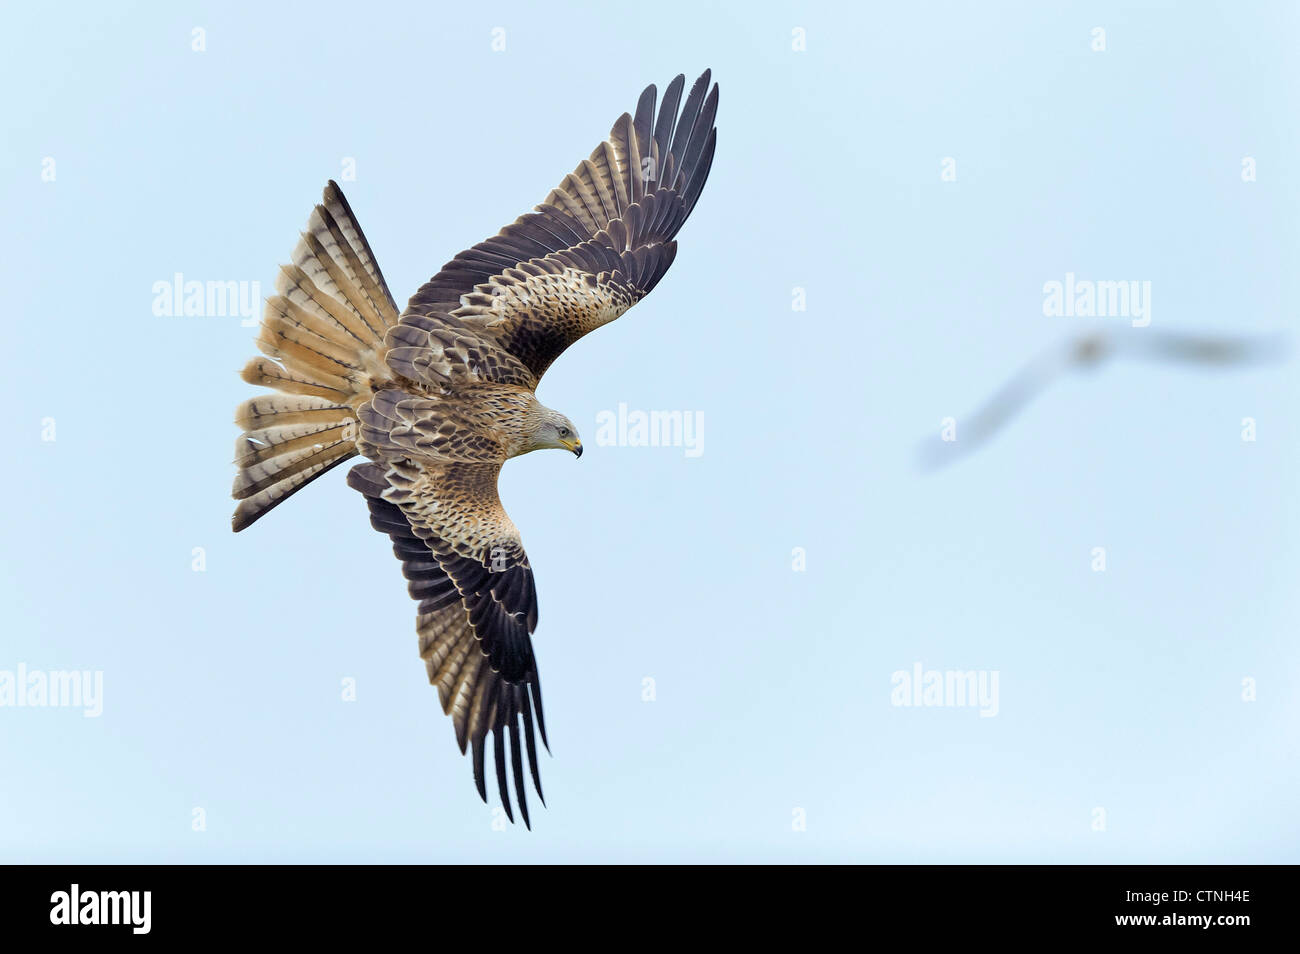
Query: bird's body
x: 440, y: 395
x: 483, y: 422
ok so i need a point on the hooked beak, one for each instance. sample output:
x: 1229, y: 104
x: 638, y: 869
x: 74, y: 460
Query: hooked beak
x: 574, y: 445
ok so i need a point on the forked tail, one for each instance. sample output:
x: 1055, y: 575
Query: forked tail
x: 323, y: 338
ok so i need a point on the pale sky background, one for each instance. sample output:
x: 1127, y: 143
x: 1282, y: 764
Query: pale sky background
x: 1120, y: 690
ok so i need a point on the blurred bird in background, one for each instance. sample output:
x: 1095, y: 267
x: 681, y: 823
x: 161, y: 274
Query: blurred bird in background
x: 1089, y: 352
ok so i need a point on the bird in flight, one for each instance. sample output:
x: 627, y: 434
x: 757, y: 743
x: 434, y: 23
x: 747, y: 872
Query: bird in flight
x: 439, y: 396
x: 1088, y: 352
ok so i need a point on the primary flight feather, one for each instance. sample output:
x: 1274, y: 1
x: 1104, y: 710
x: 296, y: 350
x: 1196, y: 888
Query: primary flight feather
x: 439, y: 396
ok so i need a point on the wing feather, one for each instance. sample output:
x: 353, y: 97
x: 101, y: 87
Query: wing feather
x: 632, y: 193
x: 466, y: 564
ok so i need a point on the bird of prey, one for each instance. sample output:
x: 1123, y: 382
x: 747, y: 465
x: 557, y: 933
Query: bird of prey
x: 439, y: 396
x: 1089, y: 351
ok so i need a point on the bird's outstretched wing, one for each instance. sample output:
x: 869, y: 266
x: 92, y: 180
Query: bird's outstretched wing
x: 466, y: 565
x: 596, y: 245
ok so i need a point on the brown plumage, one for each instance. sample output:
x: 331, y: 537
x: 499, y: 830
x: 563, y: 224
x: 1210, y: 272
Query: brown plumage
x: 441, y: 396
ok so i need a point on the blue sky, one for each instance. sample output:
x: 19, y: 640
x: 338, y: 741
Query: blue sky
x: 1121, y: 732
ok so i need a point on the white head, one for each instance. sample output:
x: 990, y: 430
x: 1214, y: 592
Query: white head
x: 550, y: 429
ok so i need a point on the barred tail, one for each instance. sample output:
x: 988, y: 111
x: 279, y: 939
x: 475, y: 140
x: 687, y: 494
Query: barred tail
x: 323, y: 337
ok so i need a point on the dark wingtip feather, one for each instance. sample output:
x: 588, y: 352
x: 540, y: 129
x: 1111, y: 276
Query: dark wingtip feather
x: 699, y: 135
x: 701, y: 173
x: 499, y: 756
x: 536, y: 687
x: 479, y: 780
x: 645, y: 114
x: 663, y: 133
x: 530, y: 740
x: 686, y: 121
x: 517, y: 767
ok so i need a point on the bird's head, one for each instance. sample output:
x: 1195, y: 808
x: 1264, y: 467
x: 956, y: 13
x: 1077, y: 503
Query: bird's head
x: 551, y: 429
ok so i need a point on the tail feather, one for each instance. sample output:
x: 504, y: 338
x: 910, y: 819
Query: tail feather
x: 294, y: 285
x: 323, y: 338
x: 291, y: 474
x: 283, y: 410
x: 316, y: 339
x: 264, y: 444
x: 289, y: 379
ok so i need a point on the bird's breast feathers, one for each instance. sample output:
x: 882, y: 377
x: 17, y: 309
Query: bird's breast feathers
x: 478, y: 423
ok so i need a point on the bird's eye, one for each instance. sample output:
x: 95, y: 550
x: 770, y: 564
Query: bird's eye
x: 564, y: 432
